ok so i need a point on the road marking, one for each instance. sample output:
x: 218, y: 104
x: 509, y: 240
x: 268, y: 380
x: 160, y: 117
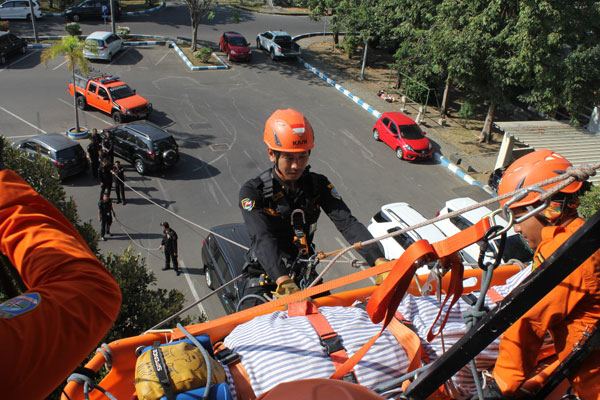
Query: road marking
x: 59, y: 65
x: 192, y: 288
x: 86, y: 112
x: 22, y: 120
x: 163, y: 57
x: 221, y: 190
x: 18, y: 60
x: 368, y: 154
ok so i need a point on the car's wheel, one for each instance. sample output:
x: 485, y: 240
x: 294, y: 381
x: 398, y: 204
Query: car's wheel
x: 272, y: 54
x: 228, y: 56
x: 75, y: 18
x: 376, y: 134
x: 117, y: 117
x: 23, y: 49
x: 28, y: 17
x: 139, y: 166
x: 399, y: 153
x: 208, y: 277
x: 3, y: 60
x: 110, y: 56
x: 258, y: 46
x: 81, y: 102
x: 169, y: 157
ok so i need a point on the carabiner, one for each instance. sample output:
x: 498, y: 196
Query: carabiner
x: 493, y: 223
x: 520, y: 196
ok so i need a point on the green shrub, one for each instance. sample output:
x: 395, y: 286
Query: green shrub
x: 590, y: 202
x: 467, y: 110
x: 350, y: 45
x: 123, y: 30
x: 203, y: 54
x: 73, y: 29
x: 3, y: 25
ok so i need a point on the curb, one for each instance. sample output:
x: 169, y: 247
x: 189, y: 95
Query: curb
x: 161, y: 5
x: 298, y: 14
x: 364, y: 105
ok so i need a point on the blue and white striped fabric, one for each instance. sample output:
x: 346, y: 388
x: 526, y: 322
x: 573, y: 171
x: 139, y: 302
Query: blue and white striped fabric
x: 275, y: 348
x: 421, y: 311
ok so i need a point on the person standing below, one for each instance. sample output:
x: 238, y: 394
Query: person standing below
x: 169, y: 244
x: 108, y: 147
x: 105, y: 176
x: 119, y: 172
x: 105, y: 214
x: 93, y: 154
x: 282, y: 205
x: 568, y: 308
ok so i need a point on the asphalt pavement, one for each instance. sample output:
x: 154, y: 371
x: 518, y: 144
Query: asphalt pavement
x: 217, y: 117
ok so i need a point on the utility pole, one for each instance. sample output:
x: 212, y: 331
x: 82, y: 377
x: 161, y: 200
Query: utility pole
x: 35, y: 34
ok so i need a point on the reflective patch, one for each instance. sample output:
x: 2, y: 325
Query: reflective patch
x: 298, y: 129
x: 247, y: 204
x: 19, y: 305
x: 271, y: 212
x: 334, y: 192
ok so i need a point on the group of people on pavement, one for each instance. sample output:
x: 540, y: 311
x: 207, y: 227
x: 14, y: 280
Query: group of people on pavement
x: 280, y: 208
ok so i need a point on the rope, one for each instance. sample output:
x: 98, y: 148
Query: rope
x: 88, y: 383
x: 179, y: 216
x: 105, y: 350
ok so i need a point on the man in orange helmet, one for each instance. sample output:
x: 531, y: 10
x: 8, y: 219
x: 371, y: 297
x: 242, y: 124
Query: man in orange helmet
x: 570, y: 307
x: 281, y: 207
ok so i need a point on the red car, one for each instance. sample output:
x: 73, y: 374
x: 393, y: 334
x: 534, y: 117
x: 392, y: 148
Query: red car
x: 236, y: 46
x: 410, y: 144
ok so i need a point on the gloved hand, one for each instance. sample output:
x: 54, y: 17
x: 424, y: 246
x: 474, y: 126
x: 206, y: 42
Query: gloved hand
x: 285, y: 288
x: 493, y: 392
x: 381, y: 277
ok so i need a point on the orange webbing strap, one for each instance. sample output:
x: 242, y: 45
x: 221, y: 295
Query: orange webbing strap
x: 388, y: 295
x: 385, y: 299
x: 330, y: 340
x: 240, y: 376
x: 410, y: 342
x: 494, y: 295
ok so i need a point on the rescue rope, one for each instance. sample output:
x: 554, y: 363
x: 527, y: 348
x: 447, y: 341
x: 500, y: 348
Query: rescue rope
x: 132, y: 239
x: 105, y: 350
x: 179, y: 216
x: 88, y: 383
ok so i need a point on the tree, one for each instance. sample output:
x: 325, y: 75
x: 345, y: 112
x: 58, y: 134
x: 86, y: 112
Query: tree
x: 322, y: 8
x: 198, y: 10
x: 72, y: 48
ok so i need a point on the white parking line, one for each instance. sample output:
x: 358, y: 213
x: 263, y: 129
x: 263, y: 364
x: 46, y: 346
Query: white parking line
x: 163, y: 57
x: 192, y: 288
x: 18, y: 60
x: 22, y: 120
x: 59, y: 65
x: 87, y: 113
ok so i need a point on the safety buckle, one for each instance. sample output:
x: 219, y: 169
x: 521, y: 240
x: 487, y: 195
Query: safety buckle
x: 331, y: 343
x: 299, y: 212
x: 227, y: 357
x: 493, y: 221
x: 350, y: 377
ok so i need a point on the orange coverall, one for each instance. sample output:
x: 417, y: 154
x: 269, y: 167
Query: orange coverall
x: 564, y: 312
x: 71, y: 302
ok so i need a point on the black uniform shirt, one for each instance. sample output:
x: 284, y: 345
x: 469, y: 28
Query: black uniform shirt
x: 169, y: 241
x: 92, y: 150
x: 120, y: 172
x: 105, y: 210
x: 273, y: 236
x: 104, y: 175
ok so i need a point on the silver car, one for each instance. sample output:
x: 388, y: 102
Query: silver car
x: 19, y: 9
x: 102, y: 46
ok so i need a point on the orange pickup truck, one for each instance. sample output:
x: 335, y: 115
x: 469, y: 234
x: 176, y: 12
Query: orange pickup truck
x: 109, y: 94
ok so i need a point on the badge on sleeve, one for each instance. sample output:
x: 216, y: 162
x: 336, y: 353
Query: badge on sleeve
x: 19, y: 305
x: 334, y: 192
x: 247, y: 204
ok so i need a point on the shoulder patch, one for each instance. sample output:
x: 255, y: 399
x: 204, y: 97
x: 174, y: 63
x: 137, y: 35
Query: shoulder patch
x: 247, y: 204
x: 19, y: 305
x: 334, y: 192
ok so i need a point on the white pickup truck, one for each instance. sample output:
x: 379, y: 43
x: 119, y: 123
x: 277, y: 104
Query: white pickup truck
x: 277, y: 44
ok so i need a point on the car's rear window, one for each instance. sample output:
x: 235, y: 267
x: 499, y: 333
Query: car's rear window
x: 94, y: 42
x: 237, y: 41
x: 283, y: 39
x: 411, y: 132
x: 69, y: 153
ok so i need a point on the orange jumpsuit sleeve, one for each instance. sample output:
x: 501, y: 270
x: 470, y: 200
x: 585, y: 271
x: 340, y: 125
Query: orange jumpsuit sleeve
x: 71, y: 302
x: 563, y: 312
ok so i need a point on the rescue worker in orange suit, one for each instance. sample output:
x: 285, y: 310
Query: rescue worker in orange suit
x: 566, y: 310
x: 71, y: 299
x: 281, y: 206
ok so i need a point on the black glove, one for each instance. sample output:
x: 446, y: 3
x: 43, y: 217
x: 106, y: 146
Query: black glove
x: 492, y: 392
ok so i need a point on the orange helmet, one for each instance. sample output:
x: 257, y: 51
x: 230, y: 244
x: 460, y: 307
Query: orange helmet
x: 533, y: 168
x: 288, y: 131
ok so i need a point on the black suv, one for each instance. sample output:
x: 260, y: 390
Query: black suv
x: 224, y: 261
x: 92, y: 9
x: 10, y: 44
x: 144, y: 144
x: 65, y: 154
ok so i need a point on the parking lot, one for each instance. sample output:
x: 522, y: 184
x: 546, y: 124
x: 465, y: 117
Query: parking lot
x: 217, y: 118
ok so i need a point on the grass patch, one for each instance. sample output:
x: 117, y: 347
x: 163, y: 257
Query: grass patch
x: 195, y: 61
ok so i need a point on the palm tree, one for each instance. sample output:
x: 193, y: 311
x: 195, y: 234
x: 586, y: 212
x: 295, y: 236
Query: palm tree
x: 72, y: 48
